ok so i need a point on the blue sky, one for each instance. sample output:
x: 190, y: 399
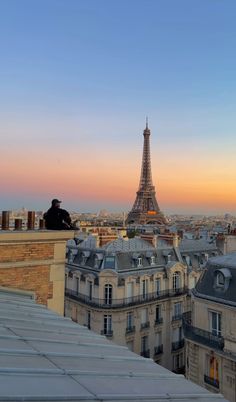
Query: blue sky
x: 82, y: 75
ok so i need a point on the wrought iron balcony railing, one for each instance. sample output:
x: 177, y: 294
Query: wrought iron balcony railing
x: 158, y: 350
x: 200, y: 335
x: 108, y: 333
x: 145, y: 325
x: 177, y: 345
x: 128, y: 301
x: 211, y: 381
x: 159, y: 321
x: 145, y: 353
x: 130, y: 330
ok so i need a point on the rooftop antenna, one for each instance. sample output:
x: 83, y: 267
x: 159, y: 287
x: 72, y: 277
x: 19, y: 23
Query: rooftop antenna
x: 146, y: 122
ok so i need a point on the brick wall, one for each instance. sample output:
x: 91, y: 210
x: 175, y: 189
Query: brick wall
x: 35, y: 279
x: 35, y: 261
x: 26, y: 252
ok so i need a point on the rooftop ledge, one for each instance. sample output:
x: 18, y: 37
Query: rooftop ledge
x: 35, y: 235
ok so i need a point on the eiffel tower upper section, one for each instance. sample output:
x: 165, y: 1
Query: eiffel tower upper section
x: 145, y: 209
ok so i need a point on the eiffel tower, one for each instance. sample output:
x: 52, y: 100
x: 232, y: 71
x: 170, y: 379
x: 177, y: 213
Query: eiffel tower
x: 145, y: 209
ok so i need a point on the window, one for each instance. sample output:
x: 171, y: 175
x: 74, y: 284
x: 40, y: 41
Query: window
x: 177, y: 335
x: 157, y: 286
x: 77, y: 285
x: 176, y: 280
x: 158, y: 314
x: 144, y: 316
x: 130, y: 320
x: 90, y: 290
x: 140, y: 261
x: 84, y: 259
x: 109, y: 262
x: 144, y: 285
x: 158, y: 340
x: 153, y: 260
x: 144, y: 344
x: 108, y: 294
x: 215, y: 323
x: 130, y: 290
x: 212, y: 371
x: 107, y: 325
x: 177, y: 309
x: 178, y: 361
x: 220, y: 279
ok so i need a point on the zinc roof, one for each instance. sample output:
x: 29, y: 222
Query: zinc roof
x: 46, y: 357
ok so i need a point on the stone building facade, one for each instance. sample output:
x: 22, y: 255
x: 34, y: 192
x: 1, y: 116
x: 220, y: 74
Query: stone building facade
x: 210, y: 330
x: 131, y: 292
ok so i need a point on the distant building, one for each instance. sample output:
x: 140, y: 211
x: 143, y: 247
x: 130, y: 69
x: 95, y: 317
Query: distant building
x: 210, y: 332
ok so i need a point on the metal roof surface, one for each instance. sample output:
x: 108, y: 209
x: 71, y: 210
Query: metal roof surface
x: 46, y: 357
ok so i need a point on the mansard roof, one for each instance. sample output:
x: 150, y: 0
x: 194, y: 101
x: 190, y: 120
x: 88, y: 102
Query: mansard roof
x: 209, y: 286
x: 123, y: 245
x: 194, y: 245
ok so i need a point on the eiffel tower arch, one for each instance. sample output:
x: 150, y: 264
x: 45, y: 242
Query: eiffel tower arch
x: 146, y: 209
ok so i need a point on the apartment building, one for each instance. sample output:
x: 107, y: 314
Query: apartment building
x: 131, y: 292
x: 210, y: 330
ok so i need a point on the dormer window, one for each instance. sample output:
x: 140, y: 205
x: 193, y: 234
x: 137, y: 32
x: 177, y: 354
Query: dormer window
x: 140, y: 261
x: 176, y: 280
x: 220, y: 279
x: 153, y: 260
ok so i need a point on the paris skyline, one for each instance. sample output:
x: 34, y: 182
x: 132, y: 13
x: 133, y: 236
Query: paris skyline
x: 77, y: 81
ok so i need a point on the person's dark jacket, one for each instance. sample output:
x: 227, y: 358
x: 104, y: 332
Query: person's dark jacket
x: 57, y: 219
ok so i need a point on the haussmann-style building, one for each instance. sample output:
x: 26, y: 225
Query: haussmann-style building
x: 210, y: 332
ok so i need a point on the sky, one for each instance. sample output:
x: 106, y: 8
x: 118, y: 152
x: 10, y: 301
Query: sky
x: 79, y: 77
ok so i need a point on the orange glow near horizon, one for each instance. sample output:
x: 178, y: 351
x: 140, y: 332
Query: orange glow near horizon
x: 110, y: 180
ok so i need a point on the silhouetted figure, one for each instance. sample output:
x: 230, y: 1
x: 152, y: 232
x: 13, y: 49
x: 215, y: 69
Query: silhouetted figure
x: 57, y: 218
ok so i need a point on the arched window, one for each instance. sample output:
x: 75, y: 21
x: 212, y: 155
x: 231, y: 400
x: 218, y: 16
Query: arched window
x: 108, y: 294
x: 176, y: 280
x: 220, y: 279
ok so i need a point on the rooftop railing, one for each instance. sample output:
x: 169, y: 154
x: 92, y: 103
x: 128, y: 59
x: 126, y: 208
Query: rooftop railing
x: 128, y: 301
x: 200, y: 335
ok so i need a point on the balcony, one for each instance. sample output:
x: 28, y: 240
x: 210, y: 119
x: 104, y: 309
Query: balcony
x: 158, y: 350
x: 128, y: 301
x: 177, y: 345
x: 211, y: 381
x: 130, y: 330
x: 108, y: 333
x: 200, y: 335
x: 145, y: 325
x: 145, y: 353
x: 177, y: 317
x: 159, y: 321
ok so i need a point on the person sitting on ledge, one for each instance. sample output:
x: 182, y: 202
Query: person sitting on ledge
x: 57, y: 218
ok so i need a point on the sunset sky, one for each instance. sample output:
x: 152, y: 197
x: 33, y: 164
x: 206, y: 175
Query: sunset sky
x: 77, y: 79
